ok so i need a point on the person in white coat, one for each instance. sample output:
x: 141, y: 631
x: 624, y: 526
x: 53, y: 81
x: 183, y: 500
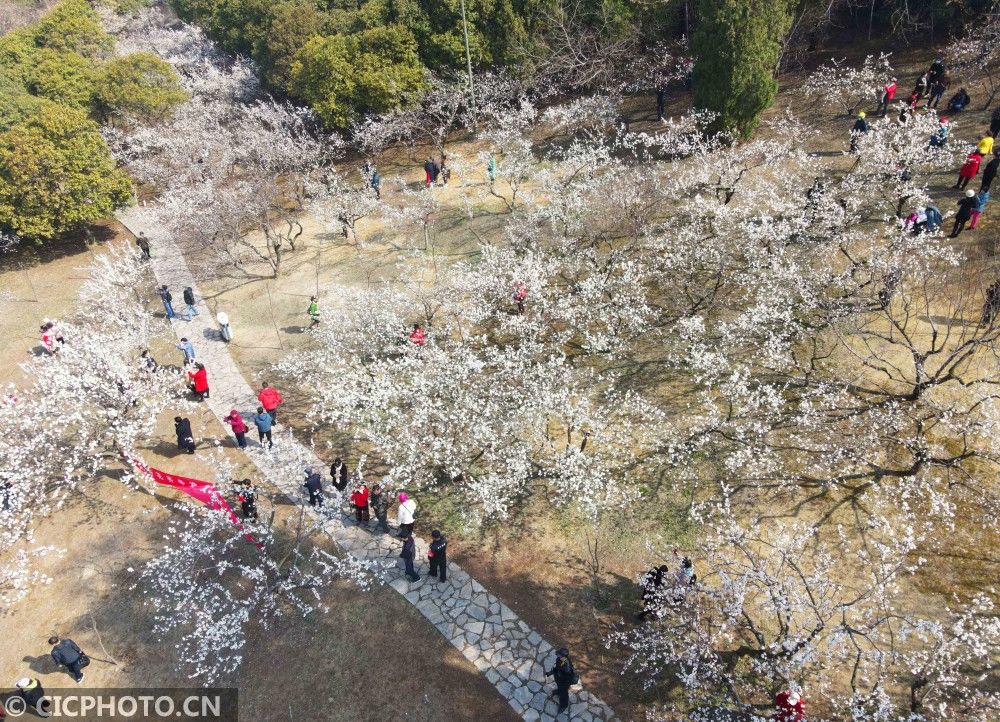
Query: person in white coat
x: 404, y: 515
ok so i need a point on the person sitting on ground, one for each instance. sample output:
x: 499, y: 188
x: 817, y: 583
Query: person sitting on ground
x: 985, y: 145
x: 940, y: 137
x: 959, y: 101
x: 148, y: 361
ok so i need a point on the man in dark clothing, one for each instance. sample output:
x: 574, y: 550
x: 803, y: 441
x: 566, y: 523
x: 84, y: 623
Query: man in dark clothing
x: 315, y: 486
x: 652, y: 592
x: 992, y: 304
x: 247, y: 496
x: 438, y: 555
x: 408, y: 554
x: 66, y: 652
x: 435, y: 171
x: 990, y: 172
x: 965, y: 206
x: 143, y: 244
x: 859, y: 129
x: 564, y: 675
x: 185, y: 439
x: 33, y: 694
x: 168, y: 300
x: 338, y: 470
x: 380, y: 505
x: 959, y: 101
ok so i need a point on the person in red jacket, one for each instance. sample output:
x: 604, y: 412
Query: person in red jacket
x: 888, y: 95
x: 270, y: 399
x: 417, y: 336
x: 236, y: 421
x: 970, y: 169
x: 359, y: 500
x: 199, y: 381
x: 789, y: 707
x: 519, y: 296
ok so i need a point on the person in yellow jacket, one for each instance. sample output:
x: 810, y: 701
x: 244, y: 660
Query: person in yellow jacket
x: 985, y: 146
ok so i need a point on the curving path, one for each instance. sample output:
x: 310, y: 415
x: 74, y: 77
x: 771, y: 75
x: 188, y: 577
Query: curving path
x: 511, y: 655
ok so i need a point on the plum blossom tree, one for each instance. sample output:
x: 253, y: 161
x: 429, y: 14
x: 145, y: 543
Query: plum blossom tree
x: 848, y: 88
x: 975, y: 55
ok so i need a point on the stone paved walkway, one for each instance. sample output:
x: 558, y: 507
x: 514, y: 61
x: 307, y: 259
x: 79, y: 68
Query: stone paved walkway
x: 489, y: 634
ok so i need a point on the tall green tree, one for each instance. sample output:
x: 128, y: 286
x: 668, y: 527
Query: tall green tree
x: 139, y: 85
x: 736, y: 45
x: 56, y: 174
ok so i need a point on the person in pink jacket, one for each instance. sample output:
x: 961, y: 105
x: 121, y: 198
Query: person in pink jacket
x: 239, y: 426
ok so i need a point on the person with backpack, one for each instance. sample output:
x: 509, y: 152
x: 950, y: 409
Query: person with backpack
x: 185, y: 438
x: 239, y: 426
x: 408, y: 554
x: 168, y: 301
x: 189, y: 301
x: 314, y: 484
x: 965, y: 206
x: 67, y: 653
x: 564, y: 676
x: 437, y: 556
x: 263, y: 423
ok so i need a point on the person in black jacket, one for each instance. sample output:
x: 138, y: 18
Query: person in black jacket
x: 67, y: 652
x: 247, y: 496
x: 185, y: 439
x: 437, y: 555
x: 859, y: 129
x: 652, y: 592
x: 564, y: 675
x: 192, y: 311
x: 379, y: 502
x: 315, y: 486
x: 990, y: 172
x: 338, y: 470
x: 33, y: 693
x: 965, y: 206
x: 408, y: 554
x: 995, y: 122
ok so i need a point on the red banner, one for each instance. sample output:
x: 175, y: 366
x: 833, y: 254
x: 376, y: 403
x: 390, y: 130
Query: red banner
x: 208, y: 494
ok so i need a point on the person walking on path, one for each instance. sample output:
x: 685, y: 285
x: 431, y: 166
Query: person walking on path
x: 67, y: 653
x: 239, y: 426
x: 313, y: 311
x: 199, y: 381
x: 991, y: 304
x: 964, y: 214
x: 408, y: 554
x: 990, y: 172
x: 315, y: 486
x: 859, y: 129
x: 185, y: 438
x: 188, y: 350
x: 437, y: 555
x: 969, y: 170
x: 651, y: 585
x: 263, y: 423
x: 982, y: 198
x: 339, y: 474
x: 359, y: 500
x: 888, y: 95
x: 247, y: 496
x: 189, y: 301
x: 405, y: 514
x: 168, y: 301
x: 985, y: 145
x: 143, y: 244
x: 564, y: 676
x: 379, y: 503
x: 270, y: 399
x: 789, y: 707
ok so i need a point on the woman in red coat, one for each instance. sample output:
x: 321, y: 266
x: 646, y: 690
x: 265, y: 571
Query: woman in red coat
x: 970, y: 169
x: 199, y: 381
x: 239, y: 427
x: 359, y: 500
x: 417, y: 335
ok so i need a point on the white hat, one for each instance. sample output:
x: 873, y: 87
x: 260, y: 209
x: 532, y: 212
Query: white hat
x: 793, y: 697
x: 23, y: 682
x: 222, y: 318
x: 969, y: 193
